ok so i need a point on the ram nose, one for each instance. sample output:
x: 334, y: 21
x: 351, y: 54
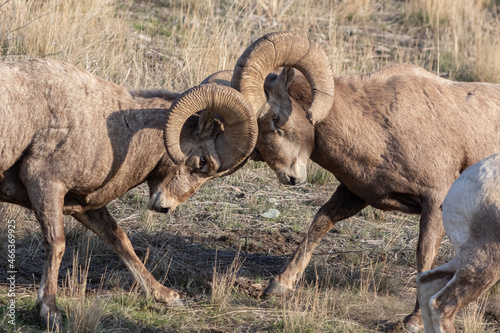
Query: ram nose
x: 159, y: 203
x: 290, y: 179
x: 162, y: 209
x: 293, y: 180
x: 293, y: 174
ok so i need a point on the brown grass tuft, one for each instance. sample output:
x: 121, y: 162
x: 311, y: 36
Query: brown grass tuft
x: 223, y: 282
x: 83, y: 313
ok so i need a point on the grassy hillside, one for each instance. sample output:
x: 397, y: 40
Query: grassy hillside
x: 217, y: 249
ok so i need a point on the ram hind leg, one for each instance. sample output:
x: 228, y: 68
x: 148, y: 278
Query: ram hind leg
x: 430, y: 283
x: 103, y: 224
x: 474, y: 277
x: 430, y: 236
x: 342, y: 204
x: 47, y: 202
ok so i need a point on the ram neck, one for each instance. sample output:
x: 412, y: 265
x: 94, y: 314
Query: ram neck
x: 349, y: 138
x: 135, y: 134
x: 139, y: 125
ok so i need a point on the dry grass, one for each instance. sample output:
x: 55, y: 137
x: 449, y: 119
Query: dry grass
x: 88, y: 33
x: 487, y: 47
x: 223, y: 283
x: 362, y: 275
x: 176, y: 44
x: 312, y: 309
x: 83, y: 313
x: 464, y: 35
x: 309, y: 309
x: 437, y: 14
x: 473, y: 314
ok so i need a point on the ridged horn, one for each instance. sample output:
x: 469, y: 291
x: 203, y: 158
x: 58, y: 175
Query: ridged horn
x: 237, y: 140
x: 285, y: 49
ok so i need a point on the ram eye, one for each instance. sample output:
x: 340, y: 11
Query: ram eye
x: 276, y: 119
x: 202, y: 162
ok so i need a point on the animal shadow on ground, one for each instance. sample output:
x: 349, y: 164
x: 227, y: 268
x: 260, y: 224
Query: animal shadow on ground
x: 185, y: 262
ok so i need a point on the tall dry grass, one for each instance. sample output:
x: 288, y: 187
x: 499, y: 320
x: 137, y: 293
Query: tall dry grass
x: 87, y: 33
x: 84, y: 313
x: 464, y: 36
x: 309, y: 309
x: 472, y: 316
x: 178, y: 50
x: 487, y: 48
x: 223, y: 282
x: 190, y: 39
x: 440, y: 13
x: 312, y: 308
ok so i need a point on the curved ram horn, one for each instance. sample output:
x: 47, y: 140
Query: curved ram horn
x: 285, y: 49
x: 237, y: 140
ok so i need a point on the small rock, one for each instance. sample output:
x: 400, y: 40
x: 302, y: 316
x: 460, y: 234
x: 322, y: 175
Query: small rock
x: 271, y: 214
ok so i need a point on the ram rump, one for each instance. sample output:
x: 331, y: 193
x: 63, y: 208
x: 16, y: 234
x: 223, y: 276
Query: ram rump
x: 72, y: 142
x: 396, y: 139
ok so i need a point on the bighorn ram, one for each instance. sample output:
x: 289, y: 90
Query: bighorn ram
x: 396, y: 139
x: 471, y: 218
x: 72, y: 142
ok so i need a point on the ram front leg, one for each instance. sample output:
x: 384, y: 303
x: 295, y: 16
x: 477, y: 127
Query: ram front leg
x: 342, y: 204
x: 104, y: 225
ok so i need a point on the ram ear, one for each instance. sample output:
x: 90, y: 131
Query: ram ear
x: 291, y: 50
x: 286, y: 77
x: 205, y: 123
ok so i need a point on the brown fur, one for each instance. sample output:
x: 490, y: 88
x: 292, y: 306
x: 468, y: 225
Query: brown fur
x: 396, y: 139
x: 72, y: 142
